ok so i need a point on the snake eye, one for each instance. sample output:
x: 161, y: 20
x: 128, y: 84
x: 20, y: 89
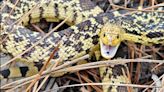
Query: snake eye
x: 117, y: 36
x: 104, y: 34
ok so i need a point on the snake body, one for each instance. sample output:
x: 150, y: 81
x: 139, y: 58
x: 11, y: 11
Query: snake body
x: 89, y: 23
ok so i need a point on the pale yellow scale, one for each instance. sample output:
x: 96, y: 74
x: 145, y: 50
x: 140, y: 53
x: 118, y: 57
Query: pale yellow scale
x: 87, y: 43
x: 75, y: 29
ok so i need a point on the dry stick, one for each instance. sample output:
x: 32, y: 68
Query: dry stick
x: 162, y: 89
x: 3, y: 6
x: 112, y: 84
x: 90, y: 65
x: 162, y: 76
x: 129, y: 78
x: 104, y: 63
x: 136, y: 10
x: 144, y: 53
x: 38, y: 29
x: 19, y: 22
x: 35, y: 86
x: 88, y: 80
x: 20, y: 85
x: 107, y: 63
x: 70, y: 69
x: 138, y: 70
x: 94, y: 74
x: 56, y: 63
x: 153, y: 2
x: 35, y: 43
x: 111, y: 2
x: 43, y: 68
x: 59, y: 71
x: 44, y: 80
x: 85, y: 66
x: 141, y: 3
x: 145, y: 9
x: 79, y: 77
x: 46, y: 72
x: 67, y: 63
x: 131, y: 53
x: 77, y: 68
x: 13, y: 8
x: 157, y: 66
x: 156, y: 50
x: 115, y: 61
x: 134, y: 47
x: 18, y: 81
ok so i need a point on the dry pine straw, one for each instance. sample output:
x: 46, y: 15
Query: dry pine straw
x: 94, y: 64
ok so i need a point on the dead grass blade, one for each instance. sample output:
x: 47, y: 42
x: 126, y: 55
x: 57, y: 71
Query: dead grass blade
x: 42, y: 69
x: 112, y: 84
x: 36, y: 42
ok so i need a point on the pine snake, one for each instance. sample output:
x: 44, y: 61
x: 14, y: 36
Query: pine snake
x: 89, y: 26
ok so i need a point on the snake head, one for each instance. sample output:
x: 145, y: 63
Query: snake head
x: 110, y: 39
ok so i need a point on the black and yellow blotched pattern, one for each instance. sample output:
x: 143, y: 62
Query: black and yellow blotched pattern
x: 86, y: 21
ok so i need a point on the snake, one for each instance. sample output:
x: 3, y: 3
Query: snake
x: 89, y: 26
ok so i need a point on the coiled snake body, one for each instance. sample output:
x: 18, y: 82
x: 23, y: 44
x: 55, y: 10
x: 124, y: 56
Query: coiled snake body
x: 89, y: 22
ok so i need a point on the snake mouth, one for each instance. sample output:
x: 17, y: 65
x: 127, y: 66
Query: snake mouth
x: 108, y: 51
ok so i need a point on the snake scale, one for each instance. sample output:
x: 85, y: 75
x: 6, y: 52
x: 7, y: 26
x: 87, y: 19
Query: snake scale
x: 89, y: 25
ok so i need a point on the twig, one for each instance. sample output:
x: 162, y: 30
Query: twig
x: 42, y: 69
x: 36, y: 42
x: 153, y: 83
x: 112, y: 84
x: 46, y: 72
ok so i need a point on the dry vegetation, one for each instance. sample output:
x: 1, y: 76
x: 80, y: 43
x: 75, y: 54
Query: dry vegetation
x: 143, y: 62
